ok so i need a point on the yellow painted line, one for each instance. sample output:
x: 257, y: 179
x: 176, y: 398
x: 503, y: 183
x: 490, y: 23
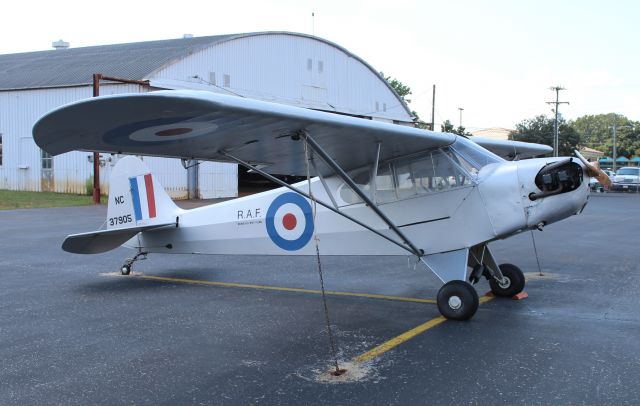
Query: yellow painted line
x: 406, y: 336
x: 284, y: 289
x: 396, y: 341
x: 373, y: 353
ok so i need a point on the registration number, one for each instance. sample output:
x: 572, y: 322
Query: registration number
x: 114, y: 221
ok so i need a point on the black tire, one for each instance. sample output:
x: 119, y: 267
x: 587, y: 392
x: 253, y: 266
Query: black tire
x: 458, y: 300
x: 515, y: 281
x: 126, y: 269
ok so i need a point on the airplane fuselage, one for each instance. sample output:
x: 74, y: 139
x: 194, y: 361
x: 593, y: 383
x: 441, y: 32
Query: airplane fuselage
x: 494, y: 205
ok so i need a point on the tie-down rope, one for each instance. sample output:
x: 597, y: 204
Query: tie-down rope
x: 332, y: 346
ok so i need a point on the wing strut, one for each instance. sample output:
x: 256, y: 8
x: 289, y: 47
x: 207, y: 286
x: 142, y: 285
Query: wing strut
x: 345, y: 177
x: 320, y: 202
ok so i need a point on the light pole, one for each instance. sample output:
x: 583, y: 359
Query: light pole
x: 614, y: 127
x: 461, y: 109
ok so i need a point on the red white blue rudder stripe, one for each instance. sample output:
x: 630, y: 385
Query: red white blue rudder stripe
x: 144, y: 202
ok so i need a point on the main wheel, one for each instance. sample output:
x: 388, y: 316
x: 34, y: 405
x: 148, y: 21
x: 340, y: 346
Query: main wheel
x: 457, y: 300
x: 126, y: 269
x: 513, y: 281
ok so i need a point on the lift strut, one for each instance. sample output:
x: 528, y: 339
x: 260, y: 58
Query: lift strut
x: 347, y: 179
x: 320, y: 202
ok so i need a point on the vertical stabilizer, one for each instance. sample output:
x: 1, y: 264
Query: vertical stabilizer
x: 136, y: 198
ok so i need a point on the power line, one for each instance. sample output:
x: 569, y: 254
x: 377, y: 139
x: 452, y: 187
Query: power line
x: 555, y: 123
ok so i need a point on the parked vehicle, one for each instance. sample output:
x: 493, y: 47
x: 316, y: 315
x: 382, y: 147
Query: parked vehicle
x: 627, y: 179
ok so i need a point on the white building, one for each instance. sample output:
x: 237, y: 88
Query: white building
x: 289, y: 68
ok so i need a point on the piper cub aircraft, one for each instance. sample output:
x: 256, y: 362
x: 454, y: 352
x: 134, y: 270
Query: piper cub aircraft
x: 372, y: 188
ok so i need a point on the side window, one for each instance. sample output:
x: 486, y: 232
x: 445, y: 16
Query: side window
x: 385, y: 188
x: 447, y: 174
x: 362, y: 180
x: 423, y: 174
x: 429, y: 173
x: 402, y: 179
x: 405, y: 180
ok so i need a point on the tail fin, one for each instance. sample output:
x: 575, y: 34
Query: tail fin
x: 136, y: 198
x: 137, y: 202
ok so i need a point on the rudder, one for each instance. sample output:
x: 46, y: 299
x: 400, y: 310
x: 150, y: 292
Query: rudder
x: 136, y: 198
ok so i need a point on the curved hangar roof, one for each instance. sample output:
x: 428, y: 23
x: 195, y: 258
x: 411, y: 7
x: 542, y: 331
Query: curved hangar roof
x: 173, y: 64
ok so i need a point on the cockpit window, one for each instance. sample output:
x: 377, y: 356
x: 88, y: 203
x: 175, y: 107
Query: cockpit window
x: 472, y: 156
x: 429, y: 172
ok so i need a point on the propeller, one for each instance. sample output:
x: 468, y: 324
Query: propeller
x: 593, y: 170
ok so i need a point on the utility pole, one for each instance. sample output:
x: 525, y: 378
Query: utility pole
x: 97, y: 77
x: 555, y: 124
x: 96, y: 155
x: 615, y: 153
x: 433, y: 109
x: 615, y: 127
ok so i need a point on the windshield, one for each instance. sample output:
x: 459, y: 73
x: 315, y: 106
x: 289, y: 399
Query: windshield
x: 474, y: 157
x: 628, y: 171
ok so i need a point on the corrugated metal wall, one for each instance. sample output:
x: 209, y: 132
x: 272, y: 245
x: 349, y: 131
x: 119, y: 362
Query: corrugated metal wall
x: 21, y: 168
x: 288, y: 69
x: 217, y: 180
x: 284, y: 68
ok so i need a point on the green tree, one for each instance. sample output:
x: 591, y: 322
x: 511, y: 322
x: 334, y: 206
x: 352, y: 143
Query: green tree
x: 447, y: 127
x: 596, y: 132
x: 403, y: 91
x: 541, y: 131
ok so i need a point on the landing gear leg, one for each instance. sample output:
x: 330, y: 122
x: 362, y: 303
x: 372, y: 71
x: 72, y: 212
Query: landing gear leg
x: 506, y: 280
x: 128, y: 263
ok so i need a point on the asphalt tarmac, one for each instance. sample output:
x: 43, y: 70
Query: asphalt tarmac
x: 75, y: 332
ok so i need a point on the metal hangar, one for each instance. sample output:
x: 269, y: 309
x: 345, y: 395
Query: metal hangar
x: 281, y: 67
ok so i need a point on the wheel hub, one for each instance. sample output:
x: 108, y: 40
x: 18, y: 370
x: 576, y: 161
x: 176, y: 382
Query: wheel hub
x: 504, y: 283
x: 455, y: 302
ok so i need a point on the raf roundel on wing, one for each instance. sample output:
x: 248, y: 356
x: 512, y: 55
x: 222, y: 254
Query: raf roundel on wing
x: 290, y: 221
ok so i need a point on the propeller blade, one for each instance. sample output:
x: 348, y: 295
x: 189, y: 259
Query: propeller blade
x: 593, y: 170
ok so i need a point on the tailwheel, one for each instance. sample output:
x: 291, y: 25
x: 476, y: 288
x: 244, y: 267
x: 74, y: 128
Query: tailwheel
x: 457, y: 300
x: 126, y: 269
x: 128, y: 263
x: 512, y: 281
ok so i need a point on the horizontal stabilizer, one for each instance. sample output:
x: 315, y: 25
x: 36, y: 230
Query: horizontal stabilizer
x: 96, y: 242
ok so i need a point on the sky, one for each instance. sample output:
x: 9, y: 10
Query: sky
x: 495, y: 59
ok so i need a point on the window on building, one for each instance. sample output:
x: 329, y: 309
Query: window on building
x: 309, y: 64
x: 227, y: 80
x: 0, y: 149
x: 47, y: 160
x: 377, y: 106
x: 320, y: 66
x: 212, y: 78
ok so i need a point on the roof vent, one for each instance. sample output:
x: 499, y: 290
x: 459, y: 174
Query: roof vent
x: 187, y: 35
x: 60, y: 44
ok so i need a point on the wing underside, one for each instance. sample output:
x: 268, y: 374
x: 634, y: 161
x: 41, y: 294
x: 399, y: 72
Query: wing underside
x: 205, y: 125
x: 512, y: 150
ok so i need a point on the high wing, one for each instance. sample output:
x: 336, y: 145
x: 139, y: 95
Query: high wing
x: 205, y: 126
x: 511, y: 150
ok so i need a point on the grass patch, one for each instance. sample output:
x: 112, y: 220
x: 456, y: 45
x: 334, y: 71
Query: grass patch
x: 12, y: 199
